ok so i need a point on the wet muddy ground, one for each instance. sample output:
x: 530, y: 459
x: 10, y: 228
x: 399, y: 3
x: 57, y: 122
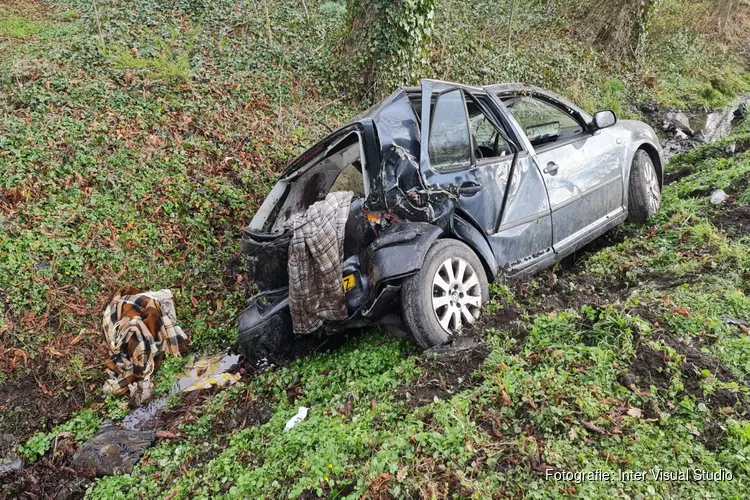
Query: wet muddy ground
x: 33, y: 402
x: 443, y: 375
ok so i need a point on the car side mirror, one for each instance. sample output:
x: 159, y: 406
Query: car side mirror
x: 604, y: 119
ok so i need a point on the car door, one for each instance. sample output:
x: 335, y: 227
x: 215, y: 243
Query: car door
x: 448, y: 160
x: 581, y: 170
x: 465, y: 148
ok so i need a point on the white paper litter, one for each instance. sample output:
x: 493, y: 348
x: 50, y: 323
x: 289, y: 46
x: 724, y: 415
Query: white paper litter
x: 299, y: 417
x: 718, y: 197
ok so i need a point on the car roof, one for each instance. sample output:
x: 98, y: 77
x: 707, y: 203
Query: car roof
x: 523, y: 88
x: 497, y: 88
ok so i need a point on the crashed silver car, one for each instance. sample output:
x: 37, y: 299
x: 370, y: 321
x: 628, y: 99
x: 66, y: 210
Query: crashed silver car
x: 452, y: 187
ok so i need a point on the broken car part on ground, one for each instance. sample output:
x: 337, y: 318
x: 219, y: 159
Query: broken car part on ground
x: 454, y: 186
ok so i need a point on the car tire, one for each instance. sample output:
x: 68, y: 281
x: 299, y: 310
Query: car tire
x: 435, y: 304
x: 644, y: 190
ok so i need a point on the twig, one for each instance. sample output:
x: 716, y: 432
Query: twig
x: 83, y: 383
x: 591, y: 427
x: 281, y: 74
x: 510, y: 23
x: 325, y: 106
x: 268, y: 21
x: 98, y: 23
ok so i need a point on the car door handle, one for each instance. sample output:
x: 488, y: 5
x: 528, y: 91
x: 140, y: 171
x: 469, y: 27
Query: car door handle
x: 469, y: 188
x: 552, y: 168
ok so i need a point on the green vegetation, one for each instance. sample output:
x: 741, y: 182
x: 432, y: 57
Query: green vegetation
x: 80, y: 428
x: 19, y: 27
x: 385, y: 44
x: 137, y: 139
x: 550, y: 393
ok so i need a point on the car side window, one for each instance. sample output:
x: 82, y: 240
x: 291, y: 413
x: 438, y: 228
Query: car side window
x: 543, y: 122
x: 449, y: 143
x: 486, y: 140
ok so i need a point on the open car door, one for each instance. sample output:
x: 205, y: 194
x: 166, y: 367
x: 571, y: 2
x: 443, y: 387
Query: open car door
x: 451, y: 158
x: 466, y: 148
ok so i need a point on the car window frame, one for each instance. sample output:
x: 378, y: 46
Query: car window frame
x: 472, y: 159
x: 574, y: 114
x: 492, y: 107
x: 497, y: 121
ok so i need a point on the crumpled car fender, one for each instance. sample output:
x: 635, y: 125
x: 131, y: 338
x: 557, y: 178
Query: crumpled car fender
x: 399, y: 251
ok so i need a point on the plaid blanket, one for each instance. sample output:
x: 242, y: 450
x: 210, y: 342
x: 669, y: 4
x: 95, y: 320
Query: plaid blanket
x: 139, y: 329
x: 315, y: 254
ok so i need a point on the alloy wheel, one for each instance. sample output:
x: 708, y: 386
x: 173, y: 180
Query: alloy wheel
x: 654, y: 198
x: 456, y: 294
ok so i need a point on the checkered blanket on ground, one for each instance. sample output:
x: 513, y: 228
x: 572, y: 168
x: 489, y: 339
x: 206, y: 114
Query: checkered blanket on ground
x: 315, y: 254
x: 139, y: 330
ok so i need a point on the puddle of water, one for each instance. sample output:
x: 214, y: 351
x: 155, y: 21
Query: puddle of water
x: 144, y: 413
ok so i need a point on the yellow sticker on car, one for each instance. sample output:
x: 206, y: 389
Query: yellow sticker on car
x: 349, y: 282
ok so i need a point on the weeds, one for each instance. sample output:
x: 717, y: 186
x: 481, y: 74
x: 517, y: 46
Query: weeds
x: 81, y: 427
x: 19, y: 27
x: 135, y: 144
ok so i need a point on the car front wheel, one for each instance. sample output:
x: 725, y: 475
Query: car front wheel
x: 446, y: 294
x: 644, y: 191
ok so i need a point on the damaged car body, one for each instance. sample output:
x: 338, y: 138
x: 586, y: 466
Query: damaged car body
x: 454, y: 187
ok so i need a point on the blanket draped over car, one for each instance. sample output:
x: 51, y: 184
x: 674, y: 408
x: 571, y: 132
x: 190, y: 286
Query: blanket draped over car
x: 139, y: 329
x: 315, y: 254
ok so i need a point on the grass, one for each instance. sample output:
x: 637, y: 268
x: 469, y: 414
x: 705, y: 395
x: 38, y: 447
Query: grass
x: 548, y: 395
x: 164, y: 67
x: 136, y: 142
x: 19, y: 27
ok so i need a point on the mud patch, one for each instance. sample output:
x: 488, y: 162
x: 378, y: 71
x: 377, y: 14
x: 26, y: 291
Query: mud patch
x: 28, y: 404
x: 233, y: 416
x: 504, y: 317
x: 653, y: 368
x: 444, y: 375
x: 696, y: 362
x: 613, y: 237
x: 672, y: 176
x: 740, y: 185
x: 169, y: 419
x: 48, y: 478
x: 569, y: 287
x: 665, y: 281
x: 649, y: 368
x: 301, y: 346
x: 573, y: 287
x: 733, y: 220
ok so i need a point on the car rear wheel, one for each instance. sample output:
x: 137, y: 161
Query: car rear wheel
x: 445, y: 294
x: 644, y: 191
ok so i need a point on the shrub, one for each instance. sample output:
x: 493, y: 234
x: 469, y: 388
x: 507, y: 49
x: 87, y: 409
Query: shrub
x: 384, y: 44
